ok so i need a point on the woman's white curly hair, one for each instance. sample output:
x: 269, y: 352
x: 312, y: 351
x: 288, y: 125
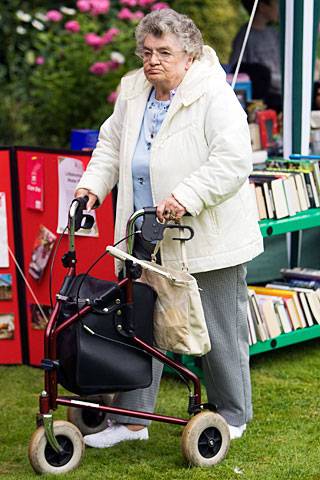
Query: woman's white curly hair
x: 161, y: 22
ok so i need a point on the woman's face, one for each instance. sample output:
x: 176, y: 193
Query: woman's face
x: 271, y: 11
x: 164, y: 62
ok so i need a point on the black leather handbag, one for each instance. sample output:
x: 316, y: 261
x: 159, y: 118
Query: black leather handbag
x: 96, y: 354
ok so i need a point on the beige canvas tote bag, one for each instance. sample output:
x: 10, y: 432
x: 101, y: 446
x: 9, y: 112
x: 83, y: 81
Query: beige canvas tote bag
x: 179, y: 322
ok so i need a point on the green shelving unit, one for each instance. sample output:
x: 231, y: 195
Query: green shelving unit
x: 301, y: 221
x: 286, y: 339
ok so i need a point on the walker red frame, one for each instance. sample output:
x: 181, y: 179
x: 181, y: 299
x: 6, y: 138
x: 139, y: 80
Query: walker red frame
x: 49, y: 399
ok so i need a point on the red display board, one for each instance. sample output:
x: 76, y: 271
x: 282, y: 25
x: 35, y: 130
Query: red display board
x: 87, y: 248
x: 10, y: 327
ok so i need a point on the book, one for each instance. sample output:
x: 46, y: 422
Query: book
x: 268, y: 200
x: 291, y: 196
x: 283, y: 316
x: 299, y: 165
x: 252, y: 332
x: 293, y: 314
x: 277, y: 189
x: 262, y: 211
x: 253, y: 193
x: 314, y: 189
x: 314, y: 304
x: 259, y: 326
x: 306, y: 308
x: 301, y: 189
x: 271, y: 321
x: 311, y: 190
x: 302, y: 297
x: 292, y: 303
x: 267, y: 195
x: 301, y: 273
x: 312, y: 284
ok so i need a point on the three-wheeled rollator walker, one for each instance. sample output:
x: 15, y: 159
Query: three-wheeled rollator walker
x: 99, y: 340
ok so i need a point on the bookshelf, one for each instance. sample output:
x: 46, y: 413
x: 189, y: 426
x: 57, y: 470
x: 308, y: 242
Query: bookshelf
x: 301, y: 221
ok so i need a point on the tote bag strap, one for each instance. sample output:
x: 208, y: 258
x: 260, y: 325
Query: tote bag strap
x: 155, y: 252
x: 183, y: 252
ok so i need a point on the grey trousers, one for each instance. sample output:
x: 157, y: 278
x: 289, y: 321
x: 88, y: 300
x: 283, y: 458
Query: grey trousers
x: 226, y: 366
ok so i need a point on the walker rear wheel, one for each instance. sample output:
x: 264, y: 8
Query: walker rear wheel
x: 205, y: 439
x: 44, y: 459
x: 90, y: 421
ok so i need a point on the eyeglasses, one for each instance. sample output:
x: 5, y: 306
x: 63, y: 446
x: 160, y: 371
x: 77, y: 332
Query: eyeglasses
x: 162, y: 55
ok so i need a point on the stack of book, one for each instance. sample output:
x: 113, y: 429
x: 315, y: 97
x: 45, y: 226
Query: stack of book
x: 286, y: 187
x: 285, y: 305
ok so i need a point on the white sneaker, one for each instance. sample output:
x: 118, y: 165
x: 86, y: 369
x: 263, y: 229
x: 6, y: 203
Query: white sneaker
x: 114, y: 434
x: 237, y: 432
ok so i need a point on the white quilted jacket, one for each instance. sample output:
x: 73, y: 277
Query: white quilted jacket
x: 202, y: 154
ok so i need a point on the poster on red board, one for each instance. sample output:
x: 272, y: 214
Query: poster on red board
x: 4, y: 253
x: 35, y: 226
x: 34, y: 183
x: 70, y: 171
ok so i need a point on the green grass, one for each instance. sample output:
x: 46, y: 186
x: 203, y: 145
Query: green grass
x: 282, y: 443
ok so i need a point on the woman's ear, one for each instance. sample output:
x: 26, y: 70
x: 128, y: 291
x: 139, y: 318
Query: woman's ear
x: 189, y: 63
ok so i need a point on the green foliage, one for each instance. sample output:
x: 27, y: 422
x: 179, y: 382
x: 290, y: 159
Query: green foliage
x: 64, y: 94
x: 218, y: 20
x: 43, y: 102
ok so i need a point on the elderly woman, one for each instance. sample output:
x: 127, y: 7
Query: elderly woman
x: 178, y: 139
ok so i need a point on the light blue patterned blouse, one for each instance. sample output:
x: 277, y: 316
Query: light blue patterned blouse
x: 154, y: 115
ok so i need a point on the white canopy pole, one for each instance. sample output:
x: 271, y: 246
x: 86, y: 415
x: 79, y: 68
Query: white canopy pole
x: 288, y: 79
x: 235, y: 75
x: 307, y: 77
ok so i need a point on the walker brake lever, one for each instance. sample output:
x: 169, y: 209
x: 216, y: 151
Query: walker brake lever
x: 181, y: 227
x: 152, y: 230
x: 79, y: 215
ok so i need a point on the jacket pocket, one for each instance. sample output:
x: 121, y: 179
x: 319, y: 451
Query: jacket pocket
x: 212, y: 216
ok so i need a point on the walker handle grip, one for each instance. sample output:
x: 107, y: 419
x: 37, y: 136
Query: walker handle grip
x: 152, y: 230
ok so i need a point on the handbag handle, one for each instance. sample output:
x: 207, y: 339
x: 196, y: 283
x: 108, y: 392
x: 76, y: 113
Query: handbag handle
x: 183, y: 251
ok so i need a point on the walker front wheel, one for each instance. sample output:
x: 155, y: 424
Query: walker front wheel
x: 205, y: 439
x: 44, y: 459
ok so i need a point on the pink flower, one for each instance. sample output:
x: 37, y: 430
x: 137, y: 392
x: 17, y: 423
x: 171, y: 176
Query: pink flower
x: 112, y: 65
x: 130, y: 3
x: 145, y: 3
x: 40, y: 60
x: 99, y: 6
x: 83, y: 5
x: 100, y: 68
x: 94, y: 40
x: 125, y: 14
x: 138, y: 15
x: 54, y: 15
x: 159, y: 6
x: 108, y: 36
x: 113, y: 31
x: 112, y: 97
x: 72, y: 26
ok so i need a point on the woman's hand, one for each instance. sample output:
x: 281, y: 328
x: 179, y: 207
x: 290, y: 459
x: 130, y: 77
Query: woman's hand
x: 170, y: 209
x: 82, y: 192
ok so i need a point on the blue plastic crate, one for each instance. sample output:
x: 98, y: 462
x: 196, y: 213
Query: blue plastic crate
x: 84, y: 139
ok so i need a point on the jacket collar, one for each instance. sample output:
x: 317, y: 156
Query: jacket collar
x: 192, y: 86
